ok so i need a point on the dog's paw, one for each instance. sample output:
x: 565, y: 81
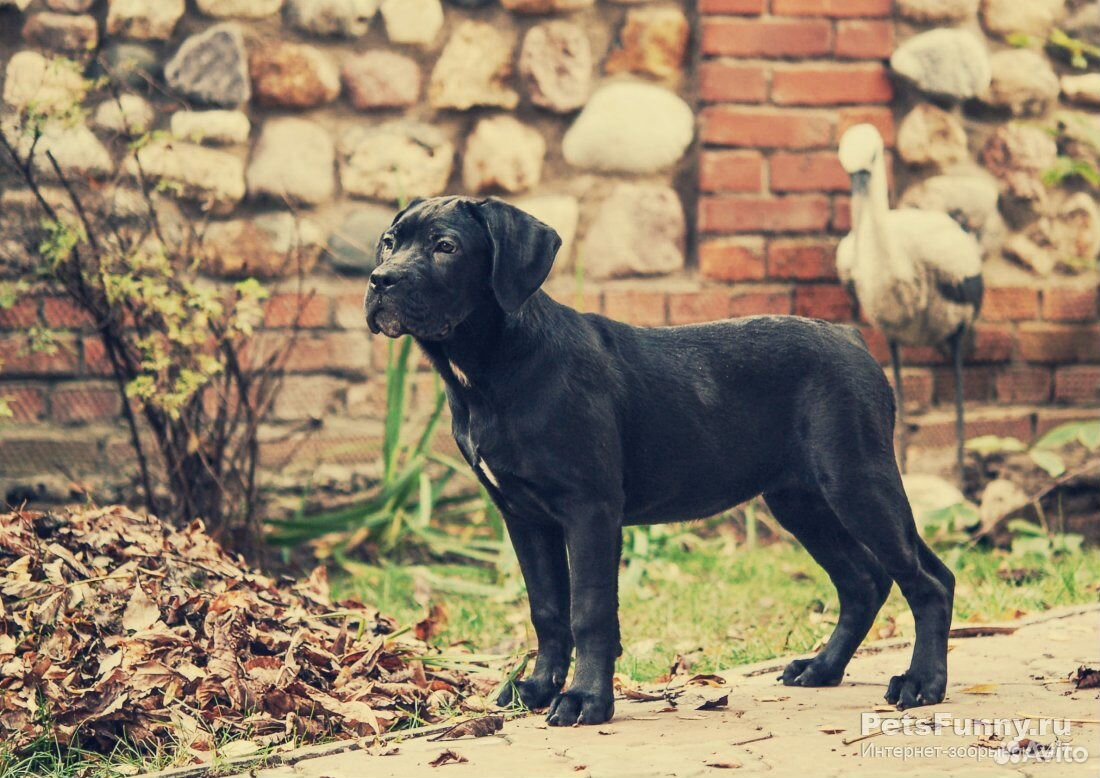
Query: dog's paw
x: 811, y: 672
x: 533, y: 694
x: 913, y: 689
x: 576, y: 707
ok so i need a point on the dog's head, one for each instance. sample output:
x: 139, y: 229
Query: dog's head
x: 444, y: 257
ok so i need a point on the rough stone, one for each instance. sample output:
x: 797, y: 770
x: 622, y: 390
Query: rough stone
x: 381, y: 79
x: 351, y: 248
x: 293, y: 75
x: 948, y: 62
x: 1084, y: 23
x: 50, y: 85
x: 217, y: 127
x: 1075, y: 231
x: 545, y: 6
x: 1083, y: 89
x: 473, y: 68
x: 1077, y: 136
x: 271, y: 246
x: 210, y: 177
x: 395, y: 161
x: 931, y: 136
x: 970, y: 198
x: 630, y: 127
x: 1027, y: 252
x: 1017, y: 155
x: 18, y: 5
x: 555, y: 65
x: 129, y: 115
x: 1023, y: 81
x: 1033, y: 17
x: 561, y: 212
x: 78, y: 152
x: 347, y: 18
x: 240, y: 9
x: 638, y: 231
x: 70, y: 6
x: 652, y: 41
x: 470, y: 3
x: 502, y: 153
x: 143, y: 20
x: 293, y: 159
x: 412, y: 21
x: 62, y: 32
x: 212, y: 67
x: 926, y: 11
x: 133, y: 64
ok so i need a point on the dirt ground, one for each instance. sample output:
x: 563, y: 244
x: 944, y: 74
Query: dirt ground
x: 792, y: 731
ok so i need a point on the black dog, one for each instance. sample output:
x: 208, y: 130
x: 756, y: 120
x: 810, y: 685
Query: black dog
x: 577, y: 425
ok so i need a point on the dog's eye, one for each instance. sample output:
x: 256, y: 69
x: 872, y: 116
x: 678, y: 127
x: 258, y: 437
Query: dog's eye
x: 446, y: 246
x: 387, y: 243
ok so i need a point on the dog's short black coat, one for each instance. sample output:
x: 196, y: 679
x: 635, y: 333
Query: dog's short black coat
x: 577, y: 425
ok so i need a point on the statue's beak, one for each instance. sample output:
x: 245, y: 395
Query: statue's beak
x: 860, y: 180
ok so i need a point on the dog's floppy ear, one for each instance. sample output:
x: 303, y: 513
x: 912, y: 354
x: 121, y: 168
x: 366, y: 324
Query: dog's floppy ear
x: 523, y: 251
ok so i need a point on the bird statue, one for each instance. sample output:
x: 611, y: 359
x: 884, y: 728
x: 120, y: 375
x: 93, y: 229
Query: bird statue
x: 916, y: 275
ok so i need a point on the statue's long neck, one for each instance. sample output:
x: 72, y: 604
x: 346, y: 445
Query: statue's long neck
x: 876, y: 251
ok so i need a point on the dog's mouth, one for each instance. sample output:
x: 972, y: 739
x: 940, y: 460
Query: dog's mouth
x: 386, y: 321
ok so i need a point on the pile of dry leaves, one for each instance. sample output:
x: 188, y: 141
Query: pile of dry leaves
x: 113, y: 625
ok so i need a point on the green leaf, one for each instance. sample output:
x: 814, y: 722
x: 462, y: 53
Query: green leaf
x: 993, y: 444
x: 1024, y: 527
x: 1061, y: 435
x: 1049, y: 461
x: 1089, y: 435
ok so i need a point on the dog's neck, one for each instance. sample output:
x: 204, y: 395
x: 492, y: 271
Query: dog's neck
x: 479, y: 342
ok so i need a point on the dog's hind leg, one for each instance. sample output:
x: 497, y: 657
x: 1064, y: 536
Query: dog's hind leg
x: 872, y: 505
x: 861, y: 582
x: 540, y: 548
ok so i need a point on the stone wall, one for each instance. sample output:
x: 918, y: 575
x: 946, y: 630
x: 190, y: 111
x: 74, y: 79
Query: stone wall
x: 685, y: 151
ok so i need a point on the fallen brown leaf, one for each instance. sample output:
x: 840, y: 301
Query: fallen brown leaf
x: 447, y: 757
x: 1086, y: 678
x: 479, y: 727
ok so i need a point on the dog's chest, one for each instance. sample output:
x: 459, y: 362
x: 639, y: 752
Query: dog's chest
x: 477, y: 431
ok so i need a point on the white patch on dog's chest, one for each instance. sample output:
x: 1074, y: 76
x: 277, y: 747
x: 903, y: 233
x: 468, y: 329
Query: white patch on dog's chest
x: 462, y: 377
x: 490, y: 476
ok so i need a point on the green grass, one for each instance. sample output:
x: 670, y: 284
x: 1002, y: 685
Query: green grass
x: 723, y: 605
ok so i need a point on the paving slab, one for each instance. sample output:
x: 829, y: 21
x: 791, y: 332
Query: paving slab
x: 792, y: 731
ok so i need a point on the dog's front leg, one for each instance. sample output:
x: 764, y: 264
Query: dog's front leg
x: 594, y: 547
x: 540, y: 548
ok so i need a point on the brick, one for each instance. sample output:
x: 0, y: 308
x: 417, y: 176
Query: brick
x: 882, y: 118
x: 841, y: 219
x: 766, y: 128
x: 50, y: 453
x: 1077, y: 384
x: 1049, y: 418
x: 307, y: 311
x: 63, y: 314
x: 731, y: 171
x: 732, y: 6
x: 861, y: 39
x: 978, y: 384
x: 823, y: 301
x: 1023, y: 384
x: 811, y: 172
x: 725, y: 82
x: 992, y: 344
x: 95, y: 357
x: 802, y: 260
x: 876, y: 343
x: 833, y: 8
x: 345, y: 353
x: 940, y: 431
x: 755, y: 301
x: 18, y: 359
x: 793, y: 213
x: 1010, y: 303
x: 81, y: 403
x: 1059, y: 343
x: 732, y: 259
x: 349, y: 312
x: 816, y: 84
x: 636, y: 306
x: 26, y: 402
x: 584, y: 301
x: 21, y: 316
x: 1070, y: 303
x: 700, y: 306
x: 309, y: 397
x: 918, y: 387
x: 767, y: 37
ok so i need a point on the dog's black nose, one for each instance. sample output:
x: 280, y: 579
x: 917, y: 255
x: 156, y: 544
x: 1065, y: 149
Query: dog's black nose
x: 384, y: 278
